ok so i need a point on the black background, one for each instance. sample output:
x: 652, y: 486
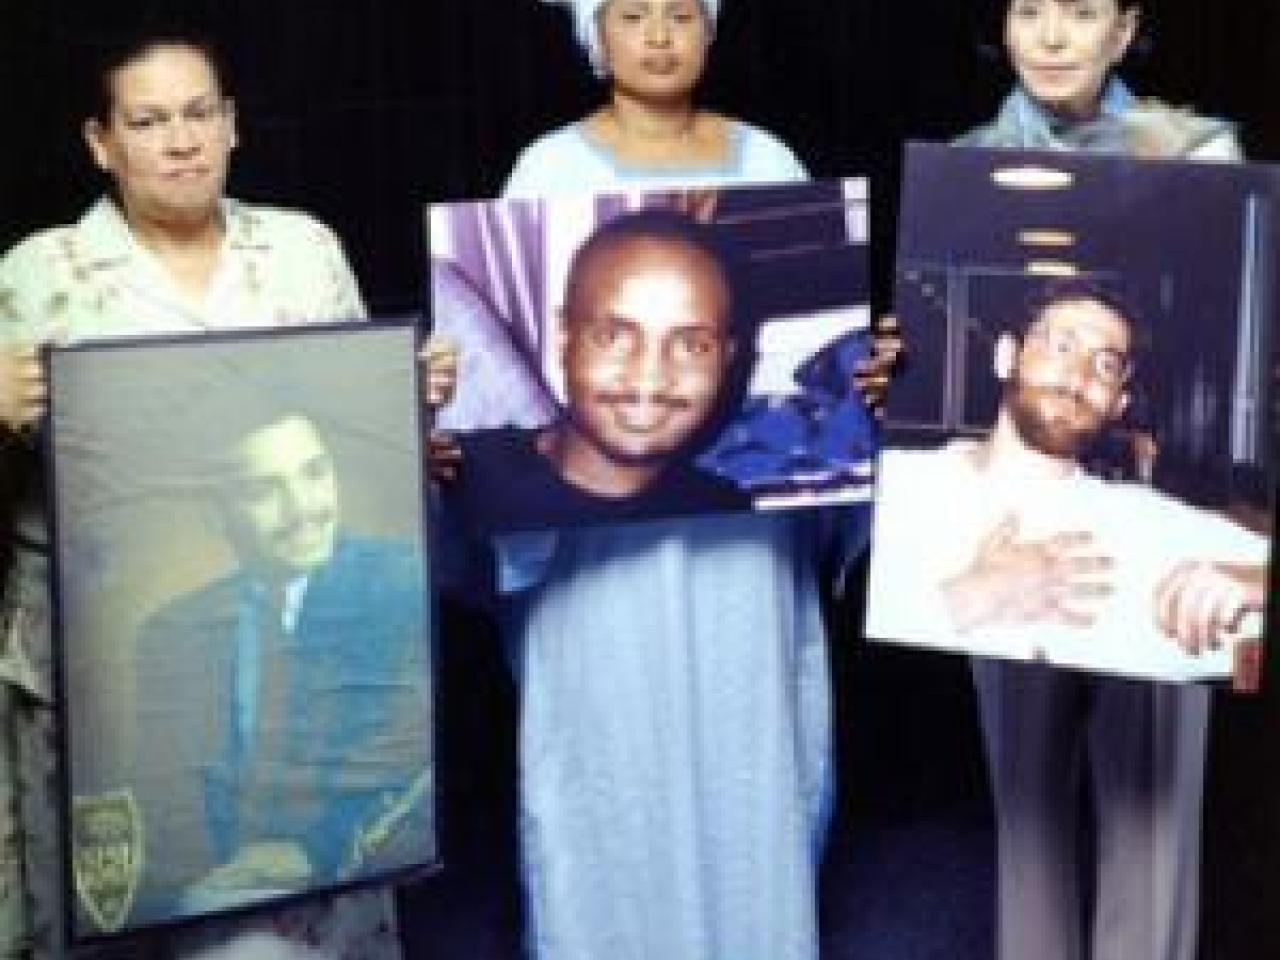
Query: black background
x: 360, y: 111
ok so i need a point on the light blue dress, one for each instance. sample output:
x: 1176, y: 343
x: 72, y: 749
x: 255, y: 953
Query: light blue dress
x: 675, y: 729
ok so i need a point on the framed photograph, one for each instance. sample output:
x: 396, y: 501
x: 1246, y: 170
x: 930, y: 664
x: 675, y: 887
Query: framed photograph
x: 1079, y: 461
x: 654, y: 354
x: 244, y: 634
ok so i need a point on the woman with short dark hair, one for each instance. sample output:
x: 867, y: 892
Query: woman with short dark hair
x: 164, y: 252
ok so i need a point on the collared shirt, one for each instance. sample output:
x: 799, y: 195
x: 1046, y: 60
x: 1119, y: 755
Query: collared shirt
x: 936, y: 507
x: 93, y: 279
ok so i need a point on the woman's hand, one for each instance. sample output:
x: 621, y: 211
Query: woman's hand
x: 444, y: 457
x: 872, y: 377
x: 439, y: 359
x: 23, y: 394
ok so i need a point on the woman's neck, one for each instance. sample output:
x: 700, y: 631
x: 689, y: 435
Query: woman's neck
x: 671, y: 133
x: 1070, y: 114
x: 644, y: 121
x: 187, y: 249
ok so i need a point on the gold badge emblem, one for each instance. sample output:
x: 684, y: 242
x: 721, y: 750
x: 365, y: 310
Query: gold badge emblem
x: 106, y: 851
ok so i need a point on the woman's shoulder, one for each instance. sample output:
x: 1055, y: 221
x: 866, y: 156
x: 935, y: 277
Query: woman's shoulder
x: 275, y: 224
x: 1157, y: 129
x: 560, y: 140
x: 764, y: 155
x: 38, y: 273
x: 551, y: 162
x: 99, y: 222
x: 991, y: 135
x: 1002, y: 131
x: 20, y: 260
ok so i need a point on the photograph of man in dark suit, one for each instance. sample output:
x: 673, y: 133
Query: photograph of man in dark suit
x: 283, y: 723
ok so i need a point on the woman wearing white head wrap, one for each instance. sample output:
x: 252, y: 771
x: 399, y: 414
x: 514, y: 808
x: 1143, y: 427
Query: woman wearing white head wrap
x: 586, y: 25
x: 653, y: 53
x: 675, y: 754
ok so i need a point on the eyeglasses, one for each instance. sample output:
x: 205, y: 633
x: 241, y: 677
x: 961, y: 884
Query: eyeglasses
x: 199, y: 115
x: 1110, y: 366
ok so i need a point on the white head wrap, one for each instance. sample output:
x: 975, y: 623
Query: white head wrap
x: 585, y: 25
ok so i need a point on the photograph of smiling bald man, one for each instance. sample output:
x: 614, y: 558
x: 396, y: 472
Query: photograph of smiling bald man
x: 692, y: 372
x: 259, y: 643
x: 647, y: 356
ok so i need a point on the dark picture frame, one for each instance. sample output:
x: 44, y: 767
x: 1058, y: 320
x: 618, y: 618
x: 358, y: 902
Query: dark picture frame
x: 243, y: 620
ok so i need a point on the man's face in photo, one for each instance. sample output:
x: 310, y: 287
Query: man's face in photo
x: 646, y: 347
x: 1069, y: 376
x: 281, y: 499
